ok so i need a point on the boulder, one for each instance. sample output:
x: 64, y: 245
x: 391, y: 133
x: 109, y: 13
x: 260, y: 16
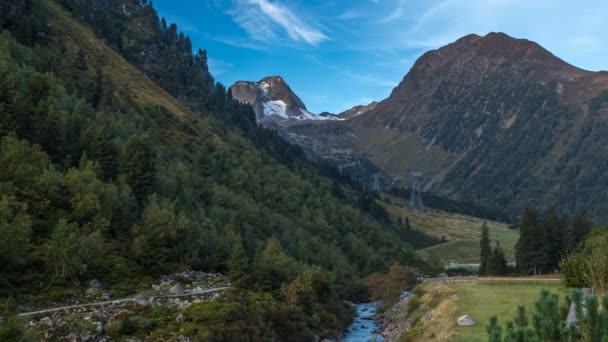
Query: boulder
x: 141, y: 300
x: 177, y: 289
x: 100, y: 329
x: 94, y: 287
x: 465, y: 321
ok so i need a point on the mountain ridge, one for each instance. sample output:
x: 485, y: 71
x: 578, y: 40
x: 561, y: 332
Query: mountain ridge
x: 483, y: 117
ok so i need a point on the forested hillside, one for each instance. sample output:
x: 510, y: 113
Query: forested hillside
x: 106, y: 175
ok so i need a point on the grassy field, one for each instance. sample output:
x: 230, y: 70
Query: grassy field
x: 481, y: 301
x: 462, y: 232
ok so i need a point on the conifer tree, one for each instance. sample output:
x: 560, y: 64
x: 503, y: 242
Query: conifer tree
x: 485, y: 249
x: 553, y: 243
x: 238, y: 265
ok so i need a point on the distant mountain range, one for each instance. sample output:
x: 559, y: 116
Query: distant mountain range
x: 489, y: 119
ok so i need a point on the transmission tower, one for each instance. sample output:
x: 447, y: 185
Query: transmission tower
x: 376, y: 186
x: 415, y: 196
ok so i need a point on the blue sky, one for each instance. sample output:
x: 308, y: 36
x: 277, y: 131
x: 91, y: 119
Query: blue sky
x: 337, y: 54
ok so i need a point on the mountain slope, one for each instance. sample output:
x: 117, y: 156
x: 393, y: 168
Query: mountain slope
x: 110, y: 177
x: 491, y: 120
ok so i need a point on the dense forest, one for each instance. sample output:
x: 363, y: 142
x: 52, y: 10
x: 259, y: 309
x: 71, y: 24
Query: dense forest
x: 97, y: 182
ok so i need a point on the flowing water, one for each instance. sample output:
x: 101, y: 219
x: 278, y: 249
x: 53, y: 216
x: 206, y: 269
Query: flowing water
x: 364, y: 327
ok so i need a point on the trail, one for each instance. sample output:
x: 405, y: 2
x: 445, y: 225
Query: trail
x: 118, y: 301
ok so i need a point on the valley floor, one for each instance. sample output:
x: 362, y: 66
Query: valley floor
x: 481, y: 301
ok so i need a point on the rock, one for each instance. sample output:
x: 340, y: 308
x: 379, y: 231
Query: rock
x: 47, y: 321
x: 95, y: 284
x: 72, y: 337
x: 465, y: 321
x: 99, y: 329
x: 141, y: 300
x: 94, y: 287
x: 180, y: 318
x: 177, y: 289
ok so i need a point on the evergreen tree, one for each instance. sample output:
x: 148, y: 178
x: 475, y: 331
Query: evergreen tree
x: 568, y: 238
x: 581, y: 224
x: 238, y: 266
x: 138, y: 166
x: 553, y: 244
x: 530, y: 250
x: 485, y: 249
x: 499, y: 261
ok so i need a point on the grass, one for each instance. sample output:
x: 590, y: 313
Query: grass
x: 461, y: 231
x: 481, y: 301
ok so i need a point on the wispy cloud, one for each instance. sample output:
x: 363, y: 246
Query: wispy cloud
x: 218, y: 66
x: 396, y: 13
x: 357, y: 76
x: 263, y: 20
x: 350, y: 14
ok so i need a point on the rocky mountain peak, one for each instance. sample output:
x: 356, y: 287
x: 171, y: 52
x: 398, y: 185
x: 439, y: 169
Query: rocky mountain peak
x: 272, y: 99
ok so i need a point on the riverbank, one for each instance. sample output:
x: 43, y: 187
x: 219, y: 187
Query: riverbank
x: 427, y: 314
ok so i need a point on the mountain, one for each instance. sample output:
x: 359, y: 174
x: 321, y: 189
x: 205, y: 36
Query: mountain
x: 491, y: 120
x: 273, y: 100
x: 357, y: 110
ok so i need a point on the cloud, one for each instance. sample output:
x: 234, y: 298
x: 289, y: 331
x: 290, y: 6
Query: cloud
x: 218, y: 66
x: 350, y: 14
x: 397, y: 13
x: 261, y: 19
x: 360, y: 77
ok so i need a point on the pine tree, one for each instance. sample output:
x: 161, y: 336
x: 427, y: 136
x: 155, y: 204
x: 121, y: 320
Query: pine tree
x: 581, y: 224
x: 499, y: 262
x: 485, y: 249
x: 568, y: 238
x: 238, y: 265
x: 139, y: 166
x: 553, y: 239
x: 530, y: 252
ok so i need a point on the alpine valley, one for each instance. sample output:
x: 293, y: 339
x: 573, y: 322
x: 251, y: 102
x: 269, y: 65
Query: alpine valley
x: 143, y: 200
x: 490, y: 120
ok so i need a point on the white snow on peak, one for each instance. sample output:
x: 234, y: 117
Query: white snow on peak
x: 275, y: 108
x: 306, y: 115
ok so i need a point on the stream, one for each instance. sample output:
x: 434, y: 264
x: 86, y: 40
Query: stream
x: 364, y: 327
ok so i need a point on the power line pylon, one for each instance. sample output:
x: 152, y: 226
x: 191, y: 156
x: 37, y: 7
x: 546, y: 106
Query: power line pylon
x: 415, y: 195
x: 376, y: 186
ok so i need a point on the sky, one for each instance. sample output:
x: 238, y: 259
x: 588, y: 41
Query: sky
x: 338, y: 54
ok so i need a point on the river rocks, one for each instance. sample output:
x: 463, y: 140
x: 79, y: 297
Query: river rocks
x: 465, y: 321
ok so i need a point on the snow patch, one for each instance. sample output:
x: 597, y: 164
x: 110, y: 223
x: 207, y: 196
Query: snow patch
x: 278, y: 108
